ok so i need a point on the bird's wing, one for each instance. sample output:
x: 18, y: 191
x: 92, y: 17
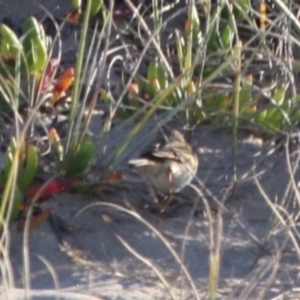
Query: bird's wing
x: 140, y: 162
x: 165, y: 153
x: 172, y: 150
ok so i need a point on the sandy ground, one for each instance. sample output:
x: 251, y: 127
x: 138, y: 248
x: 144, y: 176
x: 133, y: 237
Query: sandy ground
x: 92, y: 260
x: 95, y: 260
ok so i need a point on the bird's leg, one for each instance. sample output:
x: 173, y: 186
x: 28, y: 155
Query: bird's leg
x: 153, y: 195
x: 167, y: 199
x: 165, y: 203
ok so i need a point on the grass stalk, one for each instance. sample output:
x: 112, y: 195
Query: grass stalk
x: 236, y: 107
x: 78, y: 77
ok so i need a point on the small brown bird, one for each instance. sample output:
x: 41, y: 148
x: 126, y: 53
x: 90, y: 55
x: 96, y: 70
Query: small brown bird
x: 169, y: 167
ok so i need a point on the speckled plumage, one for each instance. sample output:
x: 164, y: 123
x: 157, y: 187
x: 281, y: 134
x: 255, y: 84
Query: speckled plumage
x: 168, y: 167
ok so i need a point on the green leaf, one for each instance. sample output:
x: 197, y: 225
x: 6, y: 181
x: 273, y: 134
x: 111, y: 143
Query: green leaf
x: 279, y: 96
x: 151, y: 90
x: 241, y: 9
x: 81, y: 159
x: 95, y: 7
x: 152, y: 70
x: 295, y: 118
x: 298, y: 98
x: 9, y: 154
x: 33, y: 30
x: 213, y: 44
x: 215, y: 102
x: 260, y: 117
x: 151, y: 76
x: 106, y: 97
x: 226, y: 37
x: 41, y: 55
x: 10, y: 44
x: 195, y: 23
x: 76, y: 3
x: 162, y: 77
x: 14, y: 207
x: 35, y: 45
x: 155, y: 72
x: 28, y: 169
x: 123, y: 113
x: 8, y: 158
x: 271, y: 118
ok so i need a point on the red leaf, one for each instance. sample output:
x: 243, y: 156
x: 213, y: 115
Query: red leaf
x: 45, y: 81
x: 64, y: 82
x: 73, y: 16
x: 115, y: 176
x: 51, y: 188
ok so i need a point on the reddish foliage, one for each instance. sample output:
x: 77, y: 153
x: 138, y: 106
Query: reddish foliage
x: 73, y: 16
x: 45, y: 81
x: 51, y: 188
x: 64, y: 82
x: 115, y: 176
